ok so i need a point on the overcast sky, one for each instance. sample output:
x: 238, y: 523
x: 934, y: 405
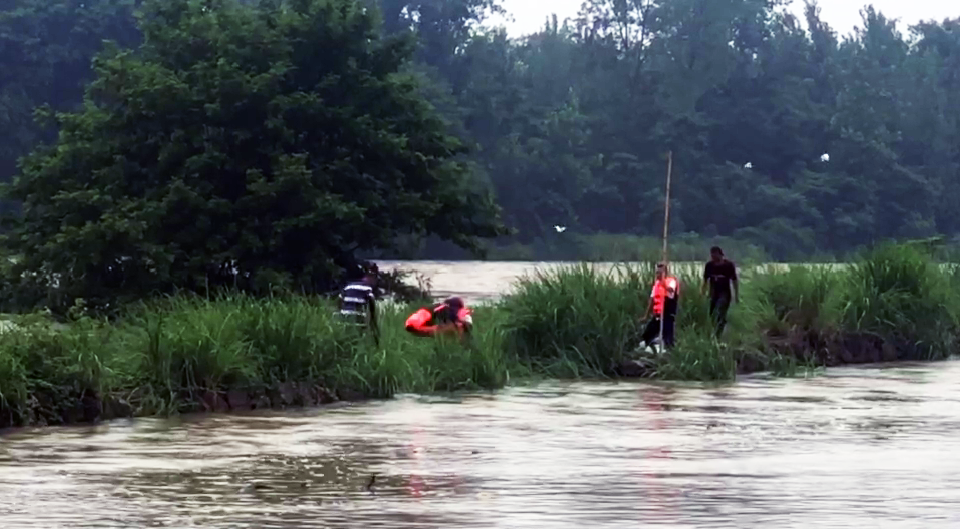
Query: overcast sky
x: 842, y: 15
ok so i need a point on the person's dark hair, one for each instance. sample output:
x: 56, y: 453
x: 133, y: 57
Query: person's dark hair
x: 363, y: 273
x: 447, y: 311
x: 717, y: 250
x: 355, y: 274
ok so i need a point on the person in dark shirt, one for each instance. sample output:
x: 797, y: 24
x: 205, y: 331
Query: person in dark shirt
x: 720, y: 276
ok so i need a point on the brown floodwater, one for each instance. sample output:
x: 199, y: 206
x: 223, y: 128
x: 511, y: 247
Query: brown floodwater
x: 859, y: 447
x: 871, y: 446
x: 479, y: 281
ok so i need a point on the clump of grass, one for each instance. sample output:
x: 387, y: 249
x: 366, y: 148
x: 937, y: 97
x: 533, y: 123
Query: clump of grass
x: 575, y: 321
x: 796, y: 299
x: 899, y: 294
x: 195, y: 344
x: 188, y: 345
x: 45, y: 373
x: 693, y: 313
x: 697, y: 356
x: 580, y: 321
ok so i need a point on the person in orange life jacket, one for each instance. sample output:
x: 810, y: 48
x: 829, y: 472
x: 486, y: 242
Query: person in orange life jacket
x: 664, y: 299
x: 449, y: 317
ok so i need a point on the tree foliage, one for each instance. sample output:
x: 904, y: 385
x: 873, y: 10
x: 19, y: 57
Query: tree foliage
x: 572, y: 123
x: 240, y: 146
x: 45, y: 52
x: 784, y: 133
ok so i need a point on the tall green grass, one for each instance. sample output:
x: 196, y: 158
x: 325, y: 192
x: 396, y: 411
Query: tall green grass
x: 578, y: 321
x: 167, y: 355
x: 574, y: 321
x: 899, y: 294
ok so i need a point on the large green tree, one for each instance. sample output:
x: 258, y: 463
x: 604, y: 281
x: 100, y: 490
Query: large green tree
x: 241, y: 144
x: 569, y: 125
x: 573, y: 122
x: 45, y: 52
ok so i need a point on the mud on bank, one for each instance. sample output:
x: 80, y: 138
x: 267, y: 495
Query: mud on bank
x: 53, y: 406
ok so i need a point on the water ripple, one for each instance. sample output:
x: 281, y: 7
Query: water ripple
x: 865, y: 447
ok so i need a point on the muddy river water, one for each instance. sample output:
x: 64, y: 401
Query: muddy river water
x: 872, y: 446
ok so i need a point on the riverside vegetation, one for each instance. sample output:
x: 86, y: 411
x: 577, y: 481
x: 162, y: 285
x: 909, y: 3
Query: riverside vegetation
x: 190, y: 353
x: 565, y: 126
x: 197, y: 187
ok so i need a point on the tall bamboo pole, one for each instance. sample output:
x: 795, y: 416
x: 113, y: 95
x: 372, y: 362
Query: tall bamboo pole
x: 666, y: 224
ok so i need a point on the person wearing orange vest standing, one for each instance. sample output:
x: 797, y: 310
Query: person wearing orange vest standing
x: 664, y: 299
x: 449, y: 317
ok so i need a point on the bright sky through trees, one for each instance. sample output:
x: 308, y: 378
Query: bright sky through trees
x: 529, y: 15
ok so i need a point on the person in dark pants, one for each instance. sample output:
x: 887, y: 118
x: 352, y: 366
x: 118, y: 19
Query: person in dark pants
x: 720, y: 276
x: 664, y: 299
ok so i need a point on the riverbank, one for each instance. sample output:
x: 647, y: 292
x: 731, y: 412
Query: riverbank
x: 234, y: 352
x: 895, y: 304
x: 240, y: 353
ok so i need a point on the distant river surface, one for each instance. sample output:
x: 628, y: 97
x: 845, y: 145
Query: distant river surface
x: 485, y: 280
x: 856, y: 447
x: 473, y: 280
x: 479, y: 281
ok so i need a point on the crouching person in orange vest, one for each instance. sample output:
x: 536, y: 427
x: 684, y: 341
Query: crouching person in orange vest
x: 449, y: 317
x: 664, y: 299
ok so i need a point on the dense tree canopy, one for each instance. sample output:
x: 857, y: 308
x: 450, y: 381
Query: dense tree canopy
x: 784, y: 133
x: 45, y: 52
x: 241, y: 146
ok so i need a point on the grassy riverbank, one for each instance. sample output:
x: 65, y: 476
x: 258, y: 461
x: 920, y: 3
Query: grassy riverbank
x: 236, y: 352
x: 893, y: 304
x: 191, y: 354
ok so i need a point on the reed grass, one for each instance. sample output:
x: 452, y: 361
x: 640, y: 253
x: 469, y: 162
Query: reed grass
x: 162, y: 355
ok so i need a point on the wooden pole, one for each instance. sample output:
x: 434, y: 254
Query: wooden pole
x: 666, y: 225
